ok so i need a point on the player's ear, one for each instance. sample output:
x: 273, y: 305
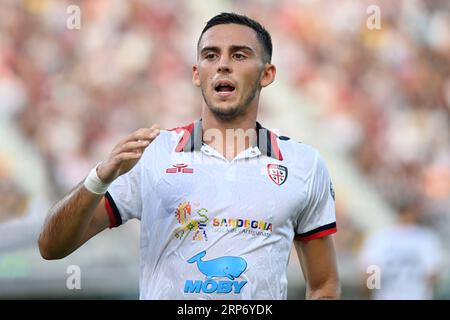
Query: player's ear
x: 195, y: 75
x: 268, y: 75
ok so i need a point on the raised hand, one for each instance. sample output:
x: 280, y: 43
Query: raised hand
x: 126, y: 154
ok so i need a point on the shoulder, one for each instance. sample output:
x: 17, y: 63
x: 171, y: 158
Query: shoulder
x: 168, y: 138
x: 171, y: 136
x: 162, y: 147
x: 428, y: 235
x: 304, y: 156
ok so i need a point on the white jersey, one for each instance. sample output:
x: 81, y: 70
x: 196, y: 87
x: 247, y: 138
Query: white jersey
x: 218, y: 229
x: 407, y: 256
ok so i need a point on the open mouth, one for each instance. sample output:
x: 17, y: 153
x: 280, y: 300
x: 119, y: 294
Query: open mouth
x: 224, y: 88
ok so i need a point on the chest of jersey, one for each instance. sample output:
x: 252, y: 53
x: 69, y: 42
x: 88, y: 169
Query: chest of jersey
x: 256, y: 196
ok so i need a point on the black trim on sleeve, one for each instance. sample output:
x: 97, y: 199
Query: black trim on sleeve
x: 319, y: 229
x: 114, y: 209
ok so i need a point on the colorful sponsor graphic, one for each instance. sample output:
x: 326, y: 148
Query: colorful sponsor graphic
x: 224, y: 267
x: 254, y: 227
x: 277, y: 173
x: 188, y: 223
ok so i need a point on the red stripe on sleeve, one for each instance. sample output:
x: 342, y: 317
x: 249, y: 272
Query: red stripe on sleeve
x: 319, y: 234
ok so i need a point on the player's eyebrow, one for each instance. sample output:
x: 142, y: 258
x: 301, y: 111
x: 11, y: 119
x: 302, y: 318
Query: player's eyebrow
x: 242, y: 48
x: 233, y: 48
x: 210, y: 48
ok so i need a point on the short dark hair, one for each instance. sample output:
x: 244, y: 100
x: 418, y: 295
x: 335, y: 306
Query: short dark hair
x: 228, y: 18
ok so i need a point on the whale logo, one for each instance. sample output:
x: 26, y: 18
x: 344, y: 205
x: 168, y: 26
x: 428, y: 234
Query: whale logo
x: 228, y: 266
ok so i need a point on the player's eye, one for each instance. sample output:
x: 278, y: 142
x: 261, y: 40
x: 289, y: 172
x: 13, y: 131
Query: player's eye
x: 210, y: 56
x: 239, y: 56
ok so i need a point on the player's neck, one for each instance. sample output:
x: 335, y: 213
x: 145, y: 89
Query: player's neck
x: 229, y: 137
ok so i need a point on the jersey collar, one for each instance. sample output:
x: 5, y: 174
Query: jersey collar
x: 192, y: 139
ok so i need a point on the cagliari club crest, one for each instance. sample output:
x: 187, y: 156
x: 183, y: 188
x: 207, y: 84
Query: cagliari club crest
x: 277, y: 173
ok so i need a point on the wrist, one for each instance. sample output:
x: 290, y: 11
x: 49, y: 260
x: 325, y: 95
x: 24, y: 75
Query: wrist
x: 94, y: 184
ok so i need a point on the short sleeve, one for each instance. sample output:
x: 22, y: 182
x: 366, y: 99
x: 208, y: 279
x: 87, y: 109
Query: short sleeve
x: 318, y: 216
x: 123, y: 198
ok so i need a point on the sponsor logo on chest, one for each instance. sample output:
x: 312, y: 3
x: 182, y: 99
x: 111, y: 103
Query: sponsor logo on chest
x: 226, y: 267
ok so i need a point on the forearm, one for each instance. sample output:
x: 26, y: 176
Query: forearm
x: 67, y: 222
x: 319, y: 265
x: 73, y: 220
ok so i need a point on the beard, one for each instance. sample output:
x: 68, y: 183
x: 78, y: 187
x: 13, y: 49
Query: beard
x: 234, y: 111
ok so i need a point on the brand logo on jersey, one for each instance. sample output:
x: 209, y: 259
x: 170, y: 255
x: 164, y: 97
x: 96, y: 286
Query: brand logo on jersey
x: 224, y: 267
x: 180, y: 167
x: 253, y: 227
x: 183, y: 213
x: 277, y: 173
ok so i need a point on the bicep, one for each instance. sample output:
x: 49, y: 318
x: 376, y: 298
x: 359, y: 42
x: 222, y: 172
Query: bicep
x: 318, y: 261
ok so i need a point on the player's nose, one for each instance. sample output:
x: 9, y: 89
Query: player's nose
x: 224, y: 65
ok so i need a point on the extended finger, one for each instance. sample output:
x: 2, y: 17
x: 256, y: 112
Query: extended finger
x: 132, y: 146
x: 125, y: 156
x: 144, y: 134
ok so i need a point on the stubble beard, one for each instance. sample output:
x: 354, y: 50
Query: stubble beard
x: 231, y: 113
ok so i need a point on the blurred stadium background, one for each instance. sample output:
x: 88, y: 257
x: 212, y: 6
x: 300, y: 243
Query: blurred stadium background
x: 376, y: 103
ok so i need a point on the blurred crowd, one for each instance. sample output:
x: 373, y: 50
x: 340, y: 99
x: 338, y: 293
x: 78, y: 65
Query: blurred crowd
x: 75, y: 92
x: 384, y: 92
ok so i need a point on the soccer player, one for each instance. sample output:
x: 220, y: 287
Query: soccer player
x: 408, y: 257
x: 221, y: 200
